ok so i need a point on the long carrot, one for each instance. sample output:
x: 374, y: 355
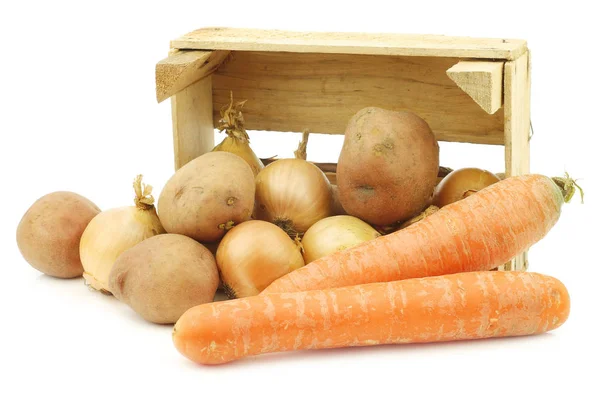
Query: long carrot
x: 478, y: 233
x: 471, y: 305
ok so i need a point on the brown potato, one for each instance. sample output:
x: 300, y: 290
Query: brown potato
x: 49, y: 233
x: 163, y: 276
x: 388, y: 166
x: 208, y: 196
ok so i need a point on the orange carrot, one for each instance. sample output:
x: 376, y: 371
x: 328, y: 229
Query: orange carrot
x: 470, y: 305
x: 478, y: 233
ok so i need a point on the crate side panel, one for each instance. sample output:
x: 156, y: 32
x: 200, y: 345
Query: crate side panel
x: 350, y: 43
x: 321, y: 92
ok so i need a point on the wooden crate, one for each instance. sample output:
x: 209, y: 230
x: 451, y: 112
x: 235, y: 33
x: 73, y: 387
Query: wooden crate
x: 468, y: 89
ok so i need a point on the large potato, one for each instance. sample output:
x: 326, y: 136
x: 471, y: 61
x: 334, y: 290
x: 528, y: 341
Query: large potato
x: 49, y: 233
x: 388, y: 166
x: 208, y: 196
x: 163, y: 276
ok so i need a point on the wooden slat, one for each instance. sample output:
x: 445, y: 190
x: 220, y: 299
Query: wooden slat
x: 321, y: 92
x: 193, y: 130
x: 517, y: 88
x: 482, y: 80
x: 350, y: 43
x: 184, y: 67
x: 516, y: 121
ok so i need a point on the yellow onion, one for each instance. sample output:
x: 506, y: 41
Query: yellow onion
x: 112, y: 232
x: 293, y: 193
x: 252, y: 255
x: 237, y: 140
x: 462, y: 183
x: 334, y: 234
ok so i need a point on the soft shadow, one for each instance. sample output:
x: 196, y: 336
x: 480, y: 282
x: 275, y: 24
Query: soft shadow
x: 220, y: 295
x: 72, y: 284
x: 48, y: 278
x: 121, y: 309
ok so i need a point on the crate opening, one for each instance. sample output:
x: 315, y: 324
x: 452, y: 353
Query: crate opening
x: 324, y: 148
x: 321, y: 92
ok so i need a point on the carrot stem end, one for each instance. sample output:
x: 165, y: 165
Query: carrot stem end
x: 568, y: 186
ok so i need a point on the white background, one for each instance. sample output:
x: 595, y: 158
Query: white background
x: 78, y: 112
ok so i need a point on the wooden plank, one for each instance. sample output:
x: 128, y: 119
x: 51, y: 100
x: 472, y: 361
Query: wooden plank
x: 350, y: 43
x: 517, y: 89
x: 321, y: 92
x: 184, y: 67
x: 193, y: 130
x: 482, y: 80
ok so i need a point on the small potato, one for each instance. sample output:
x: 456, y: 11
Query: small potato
x: 208, y: 196
x: 163, y: 276
x: 49, y: 233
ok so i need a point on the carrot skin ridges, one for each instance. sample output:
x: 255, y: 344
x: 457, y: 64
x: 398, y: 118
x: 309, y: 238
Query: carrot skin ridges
x: 470, y: 305
x: 478, y: 233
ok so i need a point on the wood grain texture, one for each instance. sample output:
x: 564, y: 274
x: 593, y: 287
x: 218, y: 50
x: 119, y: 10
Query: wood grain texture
x: 193, y: 130
x: 517, y: 89
x: 321, y: 92
x: 482, y: 80
x: 350, y: 43
x: 184, y: 67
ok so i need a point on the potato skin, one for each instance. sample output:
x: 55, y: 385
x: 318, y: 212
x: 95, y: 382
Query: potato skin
x: 50, y: 230
x: 207, y: 194
x: 163, y: 276
x: 388, y: 166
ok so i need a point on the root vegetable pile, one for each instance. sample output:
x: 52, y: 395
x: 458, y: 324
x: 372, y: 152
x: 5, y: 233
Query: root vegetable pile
x: 473, y: 234
x: 387, y: 247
